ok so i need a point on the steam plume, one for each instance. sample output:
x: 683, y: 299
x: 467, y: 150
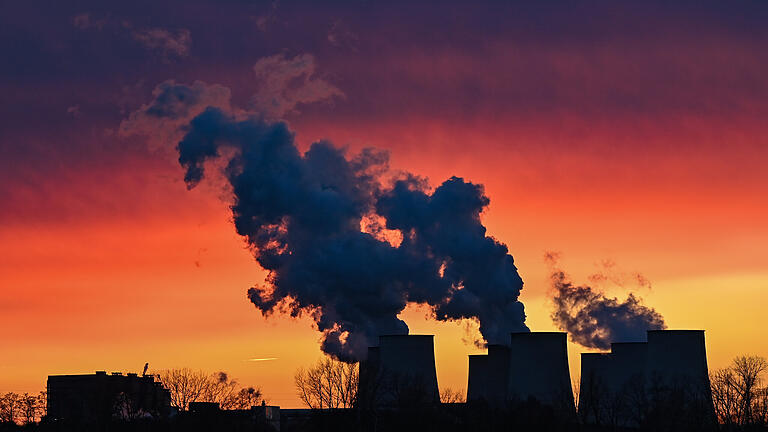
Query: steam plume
x: 594, y: 320
x: 345, y: 246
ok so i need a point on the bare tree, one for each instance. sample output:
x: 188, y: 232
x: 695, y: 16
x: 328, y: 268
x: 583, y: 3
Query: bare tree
x: 31, y: 407
x: 187, y: 386
x: 738, y: 394
x: 449, y: 395
x: 328, y: 384
x: 725, y: 397
x: 221, y: 389
x: 10, y: 407
x: 246, y: 398
x: 748, y: 371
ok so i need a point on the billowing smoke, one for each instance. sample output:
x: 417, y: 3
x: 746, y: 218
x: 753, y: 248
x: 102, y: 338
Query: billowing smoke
x: 347, y: 241
x: 593, y: 319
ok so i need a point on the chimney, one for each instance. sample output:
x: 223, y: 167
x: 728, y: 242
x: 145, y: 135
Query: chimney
x: 539, y: 369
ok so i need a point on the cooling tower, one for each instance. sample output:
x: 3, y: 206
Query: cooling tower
x: 628, y: 366
x: 478, y: 379
x: 595, y: 371
x: 678, y: 358
x: 368, y: 381
x: 489, y: 375
x: 407, y: 365
x: 539, y: 369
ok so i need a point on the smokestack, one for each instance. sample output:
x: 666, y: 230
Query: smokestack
x: 489, y: 375
x: 406, y: 364
x: 539, y: 369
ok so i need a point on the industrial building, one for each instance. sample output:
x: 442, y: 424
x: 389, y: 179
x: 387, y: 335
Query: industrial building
x: 489, y: 374
x: 538, y: 368
x: 100, y: 397
x: 209, y: 416
x: 400, y: 371
x: 533, y: 367
x: 670, y: 361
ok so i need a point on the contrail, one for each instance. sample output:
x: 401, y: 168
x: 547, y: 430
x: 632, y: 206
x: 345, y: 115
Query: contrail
x: 262, y: 359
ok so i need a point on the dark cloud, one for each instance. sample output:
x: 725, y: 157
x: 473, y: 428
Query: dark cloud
x: 595, y: 320
x: 322, y: 224
x: 173, y: 106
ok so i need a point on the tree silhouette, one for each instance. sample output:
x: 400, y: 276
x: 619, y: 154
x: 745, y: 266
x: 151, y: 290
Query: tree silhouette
x: 328, y: 384
x: 186, y: 386
x: 738, y: 393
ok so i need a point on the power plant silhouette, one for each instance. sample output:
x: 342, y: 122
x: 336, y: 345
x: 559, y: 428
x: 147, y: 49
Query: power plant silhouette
x: 534, y: 366
x: 667, y: 376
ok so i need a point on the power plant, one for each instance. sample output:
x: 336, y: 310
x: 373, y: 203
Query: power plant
x: 668, y: 371
x: 534, y: 366
x: 672, y: 360
x: 489, y: 374
x: 539, y: 368
x: 400, y: 370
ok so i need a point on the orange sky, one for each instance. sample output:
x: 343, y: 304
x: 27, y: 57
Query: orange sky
x: 626, y: 132
x: 165, y: 282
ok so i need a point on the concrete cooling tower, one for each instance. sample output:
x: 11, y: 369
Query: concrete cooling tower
x: 367, y: 384
x: 628, y: 365
x: 403, y: 367
x: 539, y: 369
x: 678, y: 357
x: 595, y: 371
x: 489, y: 375
x: 671, y: 359
x: 605, y: 375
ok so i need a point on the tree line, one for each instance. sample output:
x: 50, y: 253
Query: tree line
x: 24, y: 408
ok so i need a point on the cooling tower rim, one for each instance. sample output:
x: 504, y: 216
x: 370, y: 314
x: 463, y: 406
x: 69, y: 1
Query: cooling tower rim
x: 677, y: 331
x: 595, y: 355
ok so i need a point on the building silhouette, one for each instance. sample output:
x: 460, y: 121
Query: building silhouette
x: 99, y: 398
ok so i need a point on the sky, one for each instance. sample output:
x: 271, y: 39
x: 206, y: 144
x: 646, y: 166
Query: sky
x: 629, y: 137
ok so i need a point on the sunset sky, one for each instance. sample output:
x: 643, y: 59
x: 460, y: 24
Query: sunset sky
x: 630, y: 137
